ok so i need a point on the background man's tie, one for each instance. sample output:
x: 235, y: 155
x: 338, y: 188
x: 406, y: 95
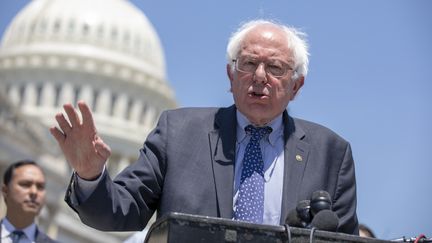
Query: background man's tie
x: 250, y: 198
x: 16, y: 235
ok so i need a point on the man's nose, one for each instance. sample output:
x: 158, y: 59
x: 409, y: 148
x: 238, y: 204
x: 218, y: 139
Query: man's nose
x: 33, y: 190
x: 260, y: 75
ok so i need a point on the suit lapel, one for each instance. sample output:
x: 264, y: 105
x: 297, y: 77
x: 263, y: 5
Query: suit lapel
x: 296, y: 157
x: 222, y: 144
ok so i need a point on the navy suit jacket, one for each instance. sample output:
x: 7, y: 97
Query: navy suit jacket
x: 187, y: 165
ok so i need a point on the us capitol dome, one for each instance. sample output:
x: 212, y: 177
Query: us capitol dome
x: 105, y: 52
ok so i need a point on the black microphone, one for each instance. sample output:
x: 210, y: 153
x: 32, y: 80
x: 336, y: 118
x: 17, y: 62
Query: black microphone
x: 325, y: 220
x: 294, y: 220
x: 303, y: 210
x: 306, y: 210
x: 320, y: 200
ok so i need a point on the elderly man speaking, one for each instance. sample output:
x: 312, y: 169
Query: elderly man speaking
x: 251, y: 161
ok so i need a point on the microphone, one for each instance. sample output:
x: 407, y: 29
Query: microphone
x: 300, y: 216
x: 294, y: 220
x: 303, y: 210
x: 320, y: 200
x: 326, y: 220
x: 315, y: 213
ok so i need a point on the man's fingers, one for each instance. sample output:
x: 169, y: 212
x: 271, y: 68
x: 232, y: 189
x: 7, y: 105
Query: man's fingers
x: 102, y: 149
x: 63, y: 123
x: 58, y: 135
x: 86, y: 113
x: 72, y: 115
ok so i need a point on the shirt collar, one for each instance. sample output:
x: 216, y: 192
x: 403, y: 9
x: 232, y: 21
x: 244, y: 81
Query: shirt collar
x: 275, y: 124
x: 8, y: 228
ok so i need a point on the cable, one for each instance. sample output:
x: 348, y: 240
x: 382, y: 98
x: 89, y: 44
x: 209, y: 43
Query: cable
x: 312, y: 235
x: 418, y: 239
x: 288, y: 232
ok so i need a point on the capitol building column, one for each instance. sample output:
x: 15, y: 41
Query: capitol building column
x: 63, y: 51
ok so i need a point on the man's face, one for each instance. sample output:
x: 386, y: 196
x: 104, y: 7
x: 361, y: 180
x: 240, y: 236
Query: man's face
x: 258, y: 95
x: 25, y: 194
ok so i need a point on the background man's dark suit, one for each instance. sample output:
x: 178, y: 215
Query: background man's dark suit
x: 187, y: 165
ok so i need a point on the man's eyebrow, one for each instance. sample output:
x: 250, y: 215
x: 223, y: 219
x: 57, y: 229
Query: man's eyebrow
x: 31, y: 180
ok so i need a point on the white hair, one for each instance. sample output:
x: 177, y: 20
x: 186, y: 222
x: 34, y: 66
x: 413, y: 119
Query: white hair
x: 295, y: 38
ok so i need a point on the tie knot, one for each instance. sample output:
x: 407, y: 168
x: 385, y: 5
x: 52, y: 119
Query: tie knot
x: 16, y: 235
x: 17, y: 232
x: 257, y: 133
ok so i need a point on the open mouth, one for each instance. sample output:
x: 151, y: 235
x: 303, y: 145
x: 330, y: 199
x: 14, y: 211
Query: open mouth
x: 257, y: 94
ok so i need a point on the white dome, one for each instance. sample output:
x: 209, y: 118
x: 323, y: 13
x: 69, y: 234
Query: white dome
x: 105, y: 52
x: 113, y: 30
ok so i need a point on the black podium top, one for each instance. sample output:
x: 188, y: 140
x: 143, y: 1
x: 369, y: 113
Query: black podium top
x: 185, y: 228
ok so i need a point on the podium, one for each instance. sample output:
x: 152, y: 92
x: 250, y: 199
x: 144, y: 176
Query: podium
x: 186, y: 228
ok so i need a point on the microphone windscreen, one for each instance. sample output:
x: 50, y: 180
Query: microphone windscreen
x: 326, y: 220
x: 320, y: 200
x: 303, y: 211
x: 293, y: 219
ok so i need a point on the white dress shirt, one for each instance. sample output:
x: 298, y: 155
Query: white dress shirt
x: 7, y: 228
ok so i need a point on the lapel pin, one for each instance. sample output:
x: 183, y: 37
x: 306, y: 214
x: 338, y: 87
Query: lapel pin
x: 299, y: 158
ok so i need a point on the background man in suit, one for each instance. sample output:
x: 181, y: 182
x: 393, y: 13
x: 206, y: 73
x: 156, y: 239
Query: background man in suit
x: 24, y: 194
x: 202, y: 160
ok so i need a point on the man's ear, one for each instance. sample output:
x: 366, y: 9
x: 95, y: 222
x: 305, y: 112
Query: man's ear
x: 298, y: 83
x: 4, y: 190
x: 230, y: 74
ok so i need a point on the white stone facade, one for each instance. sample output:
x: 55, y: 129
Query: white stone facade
x: 105, y: 52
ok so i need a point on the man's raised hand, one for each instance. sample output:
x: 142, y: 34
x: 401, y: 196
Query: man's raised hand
x: 82, y: 147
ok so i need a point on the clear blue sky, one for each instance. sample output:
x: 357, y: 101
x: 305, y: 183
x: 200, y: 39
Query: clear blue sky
x: 370, y: 81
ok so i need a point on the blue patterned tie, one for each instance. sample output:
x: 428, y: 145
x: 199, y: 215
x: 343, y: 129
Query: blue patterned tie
x: 250, y: 198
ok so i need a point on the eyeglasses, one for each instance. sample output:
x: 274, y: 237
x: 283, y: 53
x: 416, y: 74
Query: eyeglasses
x: 275, y: 68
